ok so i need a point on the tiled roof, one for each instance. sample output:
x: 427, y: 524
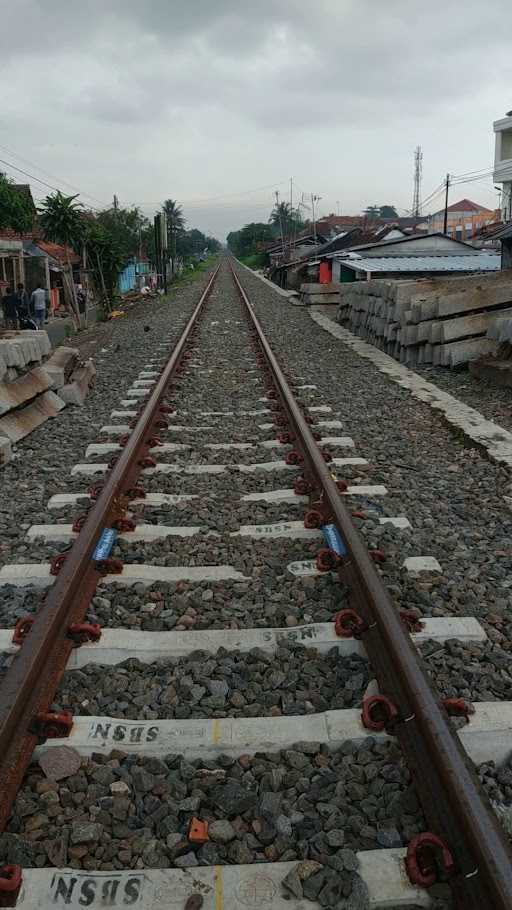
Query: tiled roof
x: 467, y: 205
x: 58, y: 252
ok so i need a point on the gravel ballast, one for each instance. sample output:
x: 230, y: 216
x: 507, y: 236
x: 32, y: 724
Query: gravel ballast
x: 311, y: 802
x: 452, y: 495
x: 292, y: 681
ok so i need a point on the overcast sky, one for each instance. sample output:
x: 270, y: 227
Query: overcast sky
x: 206, y: 101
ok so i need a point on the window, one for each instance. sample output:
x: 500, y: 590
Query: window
x: 506, y: 145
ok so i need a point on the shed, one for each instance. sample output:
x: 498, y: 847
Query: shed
x: 504, y: 234
x: 359, y: 267
x: 417, y: 256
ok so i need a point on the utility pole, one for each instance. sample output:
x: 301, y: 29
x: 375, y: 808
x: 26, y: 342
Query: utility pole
x: 418, y: 169
x: 338, y: 211
x: 291, y: 215
x: 313, y: 200
x: 447, y: 185
x: 280, y: 222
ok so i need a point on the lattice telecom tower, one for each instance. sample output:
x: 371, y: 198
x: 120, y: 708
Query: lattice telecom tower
x: 418, y: 169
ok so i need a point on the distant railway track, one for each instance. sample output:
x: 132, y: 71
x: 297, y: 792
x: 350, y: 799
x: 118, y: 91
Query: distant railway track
x: 463, y: 845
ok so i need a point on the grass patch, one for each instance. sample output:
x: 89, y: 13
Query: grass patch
x: 188, y: 276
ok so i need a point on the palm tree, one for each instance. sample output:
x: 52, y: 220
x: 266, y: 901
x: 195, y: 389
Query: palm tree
x: 281, y: 216
x: 175, y: 224
x: 60, y: 218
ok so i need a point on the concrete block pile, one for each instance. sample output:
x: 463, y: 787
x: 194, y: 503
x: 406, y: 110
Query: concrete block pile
x: 439, y: 321
x: 497, y: 369
x: 29, y: 381
x: 319, y: 294
x: 69, y: 375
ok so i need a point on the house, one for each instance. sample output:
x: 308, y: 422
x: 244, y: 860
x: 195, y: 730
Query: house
x: 11, y: 264
x: 331, y: 225
x: 503, y: 235
x: 415, y: 256
x: 315, y: 264
x: 503, y: 163
x: 347, y: 240
x: 134, y: 275
x: 48, y: 264
x: 290, y: 249
x: 464, y: 218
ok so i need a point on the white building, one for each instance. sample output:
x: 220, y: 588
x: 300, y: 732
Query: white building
x: 503, y: 163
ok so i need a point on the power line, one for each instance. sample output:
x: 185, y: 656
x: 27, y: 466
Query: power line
x: 31, y: 177
x: 432, y: 195
x: 478, y: 171
x: 47, y: 174
x: 195, y: 201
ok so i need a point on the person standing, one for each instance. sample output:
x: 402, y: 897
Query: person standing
x: 9, y: 305
x: 38, y: 301
x: 23, y: 301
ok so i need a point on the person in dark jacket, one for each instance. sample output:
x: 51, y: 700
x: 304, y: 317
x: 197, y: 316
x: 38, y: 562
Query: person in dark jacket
x: 23, y: 301
x: 10, y: 308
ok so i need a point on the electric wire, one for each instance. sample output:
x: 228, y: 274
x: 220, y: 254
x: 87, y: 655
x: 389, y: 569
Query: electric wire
x: 60, y: 180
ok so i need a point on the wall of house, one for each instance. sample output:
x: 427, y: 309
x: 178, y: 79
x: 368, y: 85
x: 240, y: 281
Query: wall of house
x: 11, y: 264
x: 461, y: 225
x: 503, y: 164
x: 506, y: 253
x: 126, y: 280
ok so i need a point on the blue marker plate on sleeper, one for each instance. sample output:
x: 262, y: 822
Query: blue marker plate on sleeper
x: 104, y: 545
x: 333, y: 539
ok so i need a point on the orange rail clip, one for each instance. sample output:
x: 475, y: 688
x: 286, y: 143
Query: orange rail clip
x: 197, y: 831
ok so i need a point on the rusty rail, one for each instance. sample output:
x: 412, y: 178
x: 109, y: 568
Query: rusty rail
x: 452, y: 799
x: 33, y: 678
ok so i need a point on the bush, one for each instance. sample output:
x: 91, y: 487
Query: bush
x: 254, y: 261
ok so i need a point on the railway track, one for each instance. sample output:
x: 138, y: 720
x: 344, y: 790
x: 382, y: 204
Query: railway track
x: 216, y: 701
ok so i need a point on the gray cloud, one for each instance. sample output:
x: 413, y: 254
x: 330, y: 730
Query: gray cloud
x: 202, y: 99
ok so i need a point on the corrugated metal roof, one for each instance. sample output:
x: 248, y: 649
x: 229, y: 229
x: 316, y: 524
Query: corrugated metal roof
x: 504, y: 232
x: 480, y: 262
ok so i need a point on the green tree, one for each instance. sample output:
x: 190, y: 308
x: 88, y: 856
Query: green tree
x: 250, y: 239
x: 191, y: 244
x: 285, y: 220
x: 130, y: 229
x: 380, y: 211
x: 60, y: 218
x: 106, y: 258
x: 388, y: 211
x: 175, y: 226
x: 16, y: 212
x: 214, y: 245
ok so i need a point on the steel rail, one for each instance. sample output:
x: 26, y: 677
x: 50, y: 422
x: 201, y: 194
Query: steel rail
x: 33, y: 678
x: 451, y: 796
